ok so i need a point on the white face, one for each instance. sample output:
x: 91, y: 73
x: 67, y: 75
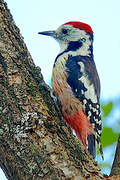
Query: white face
x: 67, y: 33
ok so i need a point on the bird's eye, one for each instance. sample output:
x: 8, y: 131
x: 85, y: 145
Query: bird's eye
x: 64, y: 31
x: 83, y: 39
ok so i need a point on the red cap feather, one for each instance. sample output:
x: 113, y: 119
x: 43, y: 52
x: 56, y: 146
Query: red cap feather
x: 80, y: 25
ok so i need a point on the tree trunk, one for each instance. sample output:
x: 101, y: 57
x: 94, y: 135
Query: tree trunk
x: 35, y: 142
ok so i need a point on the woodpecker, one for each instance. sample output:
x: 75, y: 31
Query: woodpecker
x: 76, y: 82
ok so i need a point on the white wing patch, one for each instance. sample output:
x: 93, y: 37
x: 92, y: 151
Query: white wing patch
x: 90, y: 93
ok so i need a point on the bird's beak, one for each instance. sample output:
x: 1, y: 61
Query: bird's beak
x: 48, y: 33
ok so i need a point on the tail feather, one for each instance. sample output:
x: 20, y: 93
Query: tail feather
x: 100, y: 147
x: 92, y: 145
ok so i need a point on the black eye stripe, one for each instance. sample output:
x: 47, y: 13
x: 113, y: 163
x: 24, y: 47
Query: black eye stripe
x: 64, y: 31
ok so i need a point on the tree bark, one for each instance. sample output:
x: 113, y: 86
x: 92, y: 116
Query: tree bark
x: 35, y: 142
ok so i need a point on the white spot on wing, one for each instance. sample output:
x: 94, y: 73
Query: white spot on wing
x: 82, y: 92
x: 98, y: 106
x: 99, y: 131
x: 97, y: 112
x: 85, y: 101
x: 98, y: 121
x: 94, y: 110
x: 90, y: 106
x: 89, y: 114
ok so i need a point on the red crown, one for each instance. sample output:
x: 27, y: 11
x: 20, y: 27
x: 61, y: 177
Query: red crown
x: 80, y: 25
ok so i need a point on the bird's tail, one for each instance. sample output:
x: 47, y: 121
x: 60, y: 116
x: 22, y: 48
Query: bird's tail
x: 100, y: 147
x: 92, y: 145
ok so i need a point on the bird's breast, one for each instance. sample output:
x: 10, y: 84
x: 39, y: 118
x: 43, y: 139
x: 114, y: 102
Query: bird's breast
x: 70, y: 104
x: 59, y: 76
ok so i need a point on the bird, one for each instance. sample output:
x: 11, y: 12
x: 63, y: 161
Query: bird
x: 76, y: 82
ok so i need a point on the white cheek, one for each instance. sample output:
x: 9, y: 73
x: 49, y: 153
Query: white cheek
x: 84, y: 50
x: 63, y: 46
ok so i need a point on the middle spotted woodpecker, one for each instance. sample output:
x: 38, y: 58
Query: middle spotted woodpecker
x: 76, y: 82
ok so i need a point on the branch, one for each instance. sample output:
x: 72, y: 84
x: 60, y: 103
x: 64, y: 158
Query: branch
x: 116, y: 164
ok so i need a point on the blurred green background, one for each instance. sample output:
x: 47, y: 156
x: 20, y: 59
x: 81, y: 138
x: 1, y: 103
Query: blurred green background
x: 110, y: 111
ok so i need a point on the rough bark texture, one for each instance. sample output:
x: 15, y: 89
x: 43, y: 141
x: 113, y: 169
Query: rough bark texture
x: 35, y: 143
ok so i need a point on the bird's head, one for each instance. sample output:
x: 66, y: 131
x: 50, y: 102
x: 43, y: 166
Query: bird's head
x: 73, y: 35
